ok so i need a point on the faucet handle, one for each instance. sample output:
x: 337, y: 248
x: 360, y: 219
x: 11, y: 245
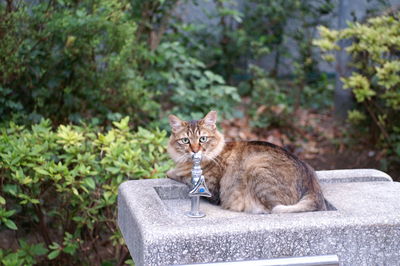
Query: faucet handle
x: 200, y: 189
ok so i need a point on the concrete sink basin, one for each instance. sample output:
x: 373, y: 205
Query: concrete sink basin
x: 361, y: 227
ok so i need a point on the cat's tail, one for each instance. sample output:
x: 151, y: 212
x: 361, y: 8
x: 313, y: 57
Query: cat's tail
x: 308, y: 203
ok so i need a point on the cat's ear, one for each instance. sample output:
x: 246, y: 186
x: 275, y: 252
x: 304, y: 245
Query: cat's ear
x: 175, y: 123
x: 210, y: 119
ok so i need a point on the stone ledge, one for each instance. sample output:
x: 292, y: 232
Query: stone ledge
x: 352, y: 175
x: 365, y: 229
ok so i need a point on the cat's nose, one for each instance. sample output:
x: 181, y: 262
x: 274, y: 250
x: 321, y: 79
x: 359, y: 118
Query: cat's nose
x: 195, y: 148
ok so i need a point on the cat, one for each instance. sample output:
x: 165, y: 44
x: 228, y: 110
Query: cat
x: 246, y: 176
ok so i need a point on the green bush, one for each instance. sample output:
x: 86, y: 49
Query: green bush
x: 185, y: 84
x: 100, y: 60
x: 60, y: 188
x: 375, y: 82
x: 69, y: 60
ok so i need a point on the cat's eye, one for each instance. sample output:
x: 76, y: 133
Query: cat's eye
x: 203, y: 139
x: 185, y: 140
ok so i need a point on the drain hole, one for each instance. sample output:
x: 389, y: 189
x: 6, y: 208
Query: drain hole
x: 172, y: 192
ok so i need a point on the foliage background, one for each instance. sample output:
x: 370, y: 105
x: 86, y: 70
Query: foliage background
x: 85, y: 86
x: 375, y: 80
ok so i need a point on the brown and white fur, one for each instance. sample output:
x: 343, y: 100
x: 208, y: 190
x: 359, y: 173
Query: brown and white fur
x: 254, y: 176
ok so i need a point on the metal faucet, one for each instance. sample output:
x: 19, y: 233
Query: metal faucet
x: 199, y: 188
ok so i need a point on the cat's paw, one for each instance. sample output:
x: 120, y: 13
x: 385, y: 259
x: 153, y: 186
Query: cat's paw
x: 171, y: 174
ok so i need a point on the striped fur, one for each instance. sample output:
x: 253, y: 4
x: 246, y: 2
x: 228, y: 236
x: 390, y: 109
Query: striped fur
x: 254, y: 177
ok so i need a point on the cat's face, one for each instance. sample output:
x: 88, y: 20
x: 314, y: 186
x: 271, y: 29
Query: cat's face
x: 189, y: 137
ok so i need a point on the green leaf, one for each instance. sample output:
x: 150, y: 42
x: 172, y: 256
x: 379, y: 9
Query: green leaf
x: 12, y: 259
x: 77, y: 219
x: 123, y: 124
x: 75, y: 191
x: 113, y: 170
x: 9, y: 213
x: 129, y: 262
x: 10, y: 189
x: 34, y: 201
x: 2, y: 201
x: 54, y: 254
x: 23, y: 244
x: 41, y: 171
x: 55, y: 245
x: 70, y: 249
x: 89, y: 182
x: 10, y: 224
x: 107, y: 263
x: 39, y: 249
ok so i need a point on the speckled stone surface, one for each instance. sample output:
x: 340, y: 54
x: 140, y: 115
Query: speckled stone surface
x: 363, y: 230
x: 352, y: 175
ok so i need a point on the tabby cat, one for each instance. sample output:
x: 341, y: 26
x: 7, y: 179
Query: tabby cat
x: 253, y: 176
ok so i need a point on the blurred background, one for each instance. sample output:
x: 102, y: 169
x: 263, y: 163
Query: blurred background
x: 86, y: 87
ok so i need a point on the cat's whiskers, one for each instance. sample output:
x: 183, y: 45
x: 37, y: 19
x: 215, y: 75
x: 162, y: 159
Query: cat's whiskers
x: 182, y: 158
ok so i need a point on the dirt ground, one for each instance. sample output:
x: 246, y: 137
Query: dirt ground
x: 317, y: 139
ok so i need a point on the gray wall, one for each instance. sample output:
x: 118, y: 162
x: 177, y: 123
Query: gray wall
x: 351, y: 10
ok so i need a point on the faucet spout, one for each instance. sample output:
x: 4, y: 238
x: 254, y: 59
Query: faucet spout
x: 199, y: 188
